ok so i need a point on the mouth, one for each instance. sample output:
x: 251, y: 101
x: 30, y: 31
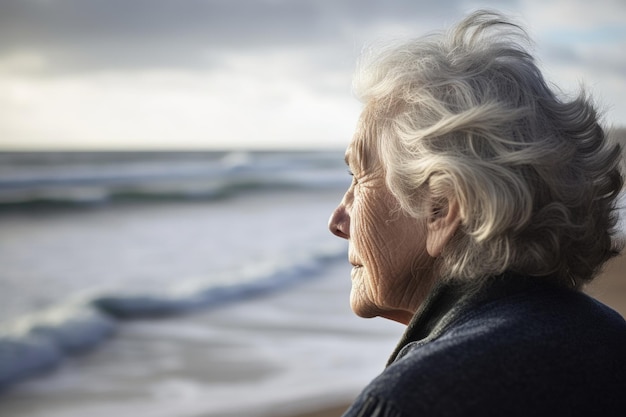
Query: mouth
x: 354, y: 259
x: 357, y: 271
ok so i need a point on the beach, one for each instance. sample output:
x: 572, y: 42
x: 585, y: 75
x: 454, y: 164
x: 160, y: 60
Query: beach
x: 315, y: 356
x: 230, y: 303
x: 179, y: 285
x: 610, y: 286
x: 303, y: 350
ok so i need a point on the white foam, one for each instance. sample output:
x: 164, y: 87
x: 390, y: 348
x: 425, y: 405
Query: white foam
x: 289, y: 350
x: 40, y: 340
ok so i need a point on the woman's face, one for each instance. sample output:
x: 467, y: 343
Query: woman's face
x: 392, y: 271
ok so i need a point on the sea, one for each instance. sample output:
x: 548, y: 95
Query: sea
x: 200, y: 261
x: 179, y: 284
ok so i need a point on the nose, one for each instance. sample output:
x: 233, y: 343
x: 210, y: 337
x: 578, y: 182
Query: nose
x: 339, y: 222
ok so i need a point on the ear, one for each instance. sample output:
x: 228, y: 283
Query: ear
x: 443, y: 222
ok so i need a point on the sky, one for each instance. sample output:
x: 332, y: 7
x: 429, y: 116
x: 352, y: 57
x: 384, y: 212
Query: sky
x: 249, y: 74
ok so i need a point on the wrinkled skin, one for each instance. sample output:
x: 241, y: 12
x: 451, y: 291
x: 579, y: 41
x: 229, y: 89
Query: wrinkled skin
x: 392, y: 270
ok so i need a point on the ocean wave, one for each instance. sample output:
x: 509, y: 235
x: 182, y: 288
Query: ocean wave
x: 95, y: 178
x: 40, y: 341
x: 89, y: 195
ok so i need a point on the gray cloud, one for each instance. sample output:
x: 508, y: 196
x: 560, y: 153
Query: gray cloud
x: 606, y: 63
x: 83, y: 35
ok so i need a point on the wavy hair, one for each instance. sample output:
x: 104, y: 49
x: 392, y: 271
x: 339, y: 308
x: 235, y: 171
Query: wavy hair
x: 467, y: 113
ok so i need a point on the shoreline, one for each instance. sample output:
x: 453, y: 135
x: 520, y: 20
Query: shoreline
x: 204, y: 363
x: 610, y: 285
x: 296, y: 352
x: 325, y: 412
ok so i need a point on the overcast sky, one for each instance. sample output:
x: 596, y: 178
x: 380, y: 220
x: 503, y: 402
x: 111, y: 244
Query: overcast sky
x: 157, y: 74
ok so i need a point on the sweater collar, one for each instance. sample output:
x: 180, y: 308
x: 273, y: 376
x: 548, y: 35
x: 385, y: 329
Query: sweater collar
x: 448, y: 300
x: 430, y: 316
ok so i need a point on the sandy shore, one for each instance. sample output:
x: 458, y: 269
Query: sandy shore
x: 329, y: 412
x: 609, y: 287
x: 293, y: 351
x: 282, y: 354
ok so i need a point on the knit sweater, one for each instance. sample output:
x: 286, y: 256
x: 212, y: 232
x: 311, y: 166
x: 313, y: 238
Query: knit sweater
x: 518, y: 346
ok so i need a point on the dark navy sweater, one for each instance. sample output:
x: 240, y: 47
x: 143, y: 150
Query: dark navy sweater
x: 517, y: 347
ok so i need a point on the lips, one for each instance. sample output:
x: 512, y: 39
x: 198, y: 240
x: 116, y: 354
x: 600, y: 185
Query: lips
x: 353, y: 258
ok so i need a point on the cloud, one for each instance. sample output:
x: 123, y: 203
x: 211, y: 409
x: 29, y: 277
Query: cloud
x: 142, y: 73
x: 166, y: 109
x: 579, y: 15
x: 84, y: 35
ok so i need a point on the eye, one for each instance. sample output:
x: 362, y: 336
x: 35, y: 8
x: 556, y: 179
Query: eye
x: 352, y: 175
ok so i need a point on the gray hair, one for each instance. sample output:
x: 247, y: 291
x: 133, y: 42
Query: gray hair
x: 467, y: 113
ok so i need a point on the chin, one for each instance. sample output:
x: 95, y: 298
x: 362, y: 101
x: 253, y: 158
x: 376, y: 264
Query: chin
x: 359, y: 302
x: 363, y: 306
x: 363, y: 310
x: 367, y: 311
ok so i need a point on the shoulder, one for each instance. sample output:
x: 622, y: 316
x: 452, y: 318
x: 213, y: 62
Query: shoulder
x: 542, y: 353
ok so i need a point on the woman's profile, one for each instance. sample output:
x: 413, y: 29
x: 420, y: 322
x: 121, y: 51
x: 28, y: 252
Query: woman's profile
x: 481, y: 204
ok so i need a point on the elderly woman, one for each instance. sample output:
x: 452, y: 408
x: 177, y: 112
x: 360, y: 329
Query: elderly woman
x: 480, y: 205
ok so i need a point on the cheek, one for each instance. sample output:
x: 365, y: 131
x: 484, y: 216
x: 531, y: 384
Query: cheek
x: 379, y: 238
x: 369, y: 235
x: 373, y: 238
x: 392, y: 249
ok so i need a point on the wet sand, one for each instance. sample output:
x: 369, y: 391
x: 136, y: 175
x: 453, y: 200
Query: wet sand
x: 329, y: 412
x: 289, y: 352
x: 610, y: 286
x: 202, y: 365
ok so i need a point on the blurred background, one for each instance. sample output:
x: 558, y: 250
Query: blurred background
x: 166, y: 172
